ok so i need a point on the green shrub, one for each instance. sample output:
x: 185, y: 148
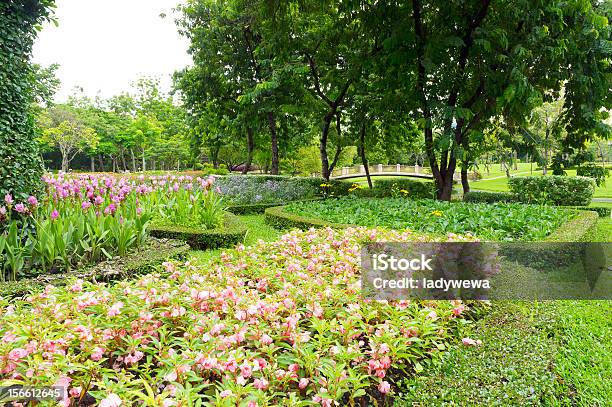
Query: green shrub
x: 554, y: 190
x: 489, y: 197
x: 282, y: 219
x: 230, y: 234
x: 137, y: 262
x: 414, y: 189
x: 595, y: 171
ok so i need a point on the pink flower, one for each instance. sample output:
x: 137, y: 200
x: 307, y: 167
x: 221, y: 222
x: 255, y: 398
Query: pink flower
x: 98, y: 200
x: 384, y: 387
x: 112, y: 400
x: 226, y: 393
x: 266, y: 339
x: 471, y: 342
x: 21, y: 208
x: 115, y: 309
x: 97, y: 353
x: 261, y: 384
x: 85, y: 205
x: 54, y: 214
x: 32, y: 200
x: 303, y: 383
x: 2, y: 211
x: 8, y: 198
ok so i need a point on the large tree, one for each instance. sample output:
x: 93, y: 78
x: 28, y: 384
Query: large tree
x: 465, y: 62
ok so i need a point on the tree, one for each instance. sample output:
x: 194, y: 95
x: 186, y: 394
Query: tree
x: 495, y: 59
x: 68, y: 134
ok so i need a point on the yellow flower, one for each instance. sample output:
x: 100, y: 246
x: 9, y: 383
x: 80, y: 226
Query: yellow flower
x: 437, y: 213
x: 403, y: 191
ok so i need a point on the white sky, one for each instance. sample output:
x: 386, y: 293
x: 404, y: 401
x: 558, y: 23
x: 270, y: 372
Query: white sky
x: 105, y: 45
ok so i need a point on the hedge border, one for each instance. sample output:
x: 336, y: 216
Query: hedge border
x: 230, y: 234
x: 140, y: 261
x: 578, y: 229
x: 249, y: 209
x: 281, y: 219
x: 603, y: 211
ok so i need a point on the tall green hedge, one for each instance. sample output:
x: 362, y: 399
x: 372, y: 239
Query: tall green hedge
x: 21, y: 168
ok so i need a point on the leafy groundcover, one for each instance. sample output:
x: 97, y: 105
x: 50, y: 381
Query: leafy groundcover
x: 278, y: 323
x: 497, y: 222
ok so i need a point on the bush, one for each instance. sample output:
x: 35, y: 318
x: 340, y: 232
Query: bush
x: 230, y: 234
x: 595, y: 171
x: 209, y: 169
x: 282, y: 219
x: 553, y: 190
x: 489, y: 197
x: 141, y: 261
x: 254, y: 208
x: 602, y: 211
x: 259, y: 325
x: 413, y: 189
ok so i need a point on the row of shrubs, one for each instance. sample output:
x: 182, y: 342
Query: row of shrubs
x: 552, y: 190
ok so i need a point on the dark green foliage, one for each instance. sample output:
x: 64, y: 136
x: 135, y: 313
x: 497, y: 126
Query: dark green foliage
x: 230, y: 234
x: 488, y: 197
x: 595, y: 171
x: 603, y: 211
x: 141, y: 261
x: 415, y: 189
x: 21, y: 167
x: 496, y: 222
x: 553, y: 190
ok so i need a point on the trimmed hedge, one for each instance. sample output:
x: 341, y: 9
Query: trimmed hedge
x: 257, y: 208
x: 281, y: 219
x: 603, y: 211
x: 416, y: 189
x: 489, y: 197
x: 140, y: 261
x: 554, y: 190
x: 230, y: 234
x: 578, y: 229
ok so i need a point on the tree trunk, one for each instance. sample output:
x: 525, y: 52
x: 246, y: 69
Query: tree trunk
x: 133, y: 160
x: 362, y: 153
x: 92, y: 164
x: 323, y: 146
x: 464, y: 179
x: 250, y: 148
x: 144, y: 161
x: 65, y: 162
x: 274, y: 136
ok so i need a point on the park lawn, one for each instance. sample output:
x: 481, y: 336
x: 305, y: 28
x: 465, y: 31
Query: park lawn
x: 501, y: 184
x: 495, y: 170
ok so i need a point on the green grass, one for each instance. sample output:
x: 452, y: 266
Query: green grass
x: 501, y: 184
x: 492, y: 222
x: 547, y: 353
x: 256, y: 229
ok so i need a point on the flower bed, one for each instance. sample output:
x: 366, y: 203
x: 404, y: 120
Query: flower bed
x: 87, y: 218
x: 500, y: 222
x: 281, y: 321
